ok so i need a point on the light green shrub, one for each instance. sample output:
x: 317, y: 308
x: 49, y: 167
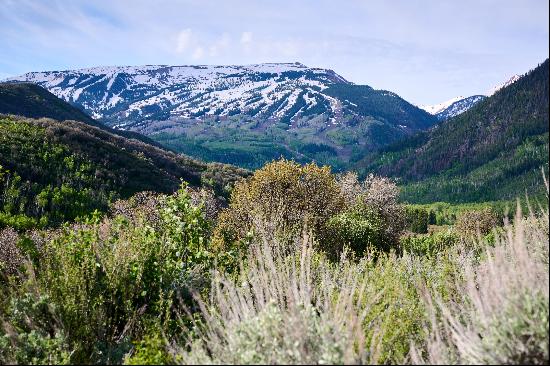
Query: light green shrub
x: 151, y: 350
x: 417, y: 220
x: 502, y: 315
x: 108, y: 278
x: 429, y: 244
x: 33, y: 334
x: 358, y: 231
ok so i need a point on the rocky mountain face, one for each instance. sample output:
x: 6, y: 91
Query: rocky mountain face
x: 122, y: 95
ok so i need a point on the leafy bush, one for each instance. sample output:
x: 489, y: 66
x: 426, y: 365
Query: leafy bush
x: 282, y: 198
x: 33, y: 333
x: 417, y: 220
x: 108, y: 278
x: 358, y: 230
x: 151, y: 350
x: 475, y: 222
x: 376, y: 196
x: 429, y: 244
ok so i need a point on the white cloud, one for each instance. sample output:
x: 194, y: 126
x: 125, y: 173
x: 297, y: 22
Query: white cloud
x: 184, y: 40
x: 198, y: 53
x: 220, y: 45
x: 246, y: 38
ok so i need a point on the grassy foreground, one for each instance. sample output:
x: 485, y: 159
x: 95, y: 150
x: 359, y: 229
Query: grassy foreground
x: 302, y: 267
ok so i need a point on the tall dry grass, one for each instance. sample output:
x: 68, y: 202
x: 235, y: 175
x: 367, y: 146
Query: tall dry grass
x: 503, y: 318
x: 289, y: 309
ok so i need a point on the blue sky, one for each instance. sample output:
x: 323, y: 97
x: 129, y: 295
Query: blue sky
x: 426, y: 51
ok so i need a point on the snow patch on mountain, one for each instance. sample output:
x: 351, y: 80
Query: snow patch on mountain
x: 453, y: 107
x: 436, y: 108
x: 461, y: 104
x: 190, y: 91
x: 504, y: 84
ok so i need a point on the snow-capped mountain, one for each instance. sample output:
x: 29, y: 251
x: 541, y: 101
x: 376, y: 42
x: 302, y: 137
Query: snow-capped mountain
x: 117, y: 95
x: 504, y: 84
x: 458, y: 105
x: 243, y: 115
x: 453, y: 107
x: 287, y: 92
x: 436, y: 108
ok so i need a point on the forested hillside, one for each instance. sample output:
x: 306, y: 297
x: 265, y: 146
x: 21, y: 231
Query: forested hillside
x: 53, y: 171
x: 493, y: 151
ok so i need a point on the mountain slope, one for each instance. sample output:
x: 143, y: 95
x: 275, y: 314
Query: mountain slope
x: 60, y: 170
x: 504, y: 84
x: 455, y: 106
x: 30, y: 100
x: 486, y: 153
x: 245, y: 115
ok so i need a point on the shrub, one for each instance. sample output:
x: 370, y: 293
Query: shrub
x: 477, y: 222
x: 11, y: 257
x: 108, y: 278
x: 151, y: 350
x: 357, y: 230
x: 275, y: 312
x: 376, y: 196
x: 429, y: 244
x: 300, y: 307
x: 32, y: 333
x: 282, y: 197
x: 417, y: 219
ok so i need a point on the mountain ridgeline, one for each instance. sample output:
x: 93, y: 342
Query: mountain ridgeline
x: 245, y: 115
x: 33, y: 101
x: 459, y: 107
x: 493, y: 151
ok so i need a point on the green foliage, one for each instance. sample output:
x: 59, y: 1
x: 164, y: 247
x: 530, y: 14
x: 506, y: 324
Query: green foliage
x: 477, y: 222
x: 429, y: 244
x: 417, y: 219
x: 357, y: 230
x: 30, y: 100
x: 280, y: 198
x: 381, y: 104
x: 52, y: 172
x: 33, y: 335
x: 519, y: 333
x: 108, y: 278
x: 151, y: 350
